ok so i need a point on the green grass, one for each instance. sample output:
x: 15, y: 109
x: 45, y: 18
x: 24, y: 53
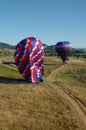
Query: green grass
x: 26, y: 106
x: 8, y: 72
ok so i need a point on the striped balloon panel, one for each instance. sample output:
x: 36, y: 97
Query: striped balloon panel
x: 29, y: 59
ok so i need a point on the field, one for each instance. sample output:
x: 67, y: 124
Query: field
x: 59, y: 103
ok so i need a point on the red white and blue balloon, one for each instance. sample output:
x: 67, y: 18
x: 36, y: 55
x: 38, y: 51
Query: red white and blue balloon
x: 29, y: 59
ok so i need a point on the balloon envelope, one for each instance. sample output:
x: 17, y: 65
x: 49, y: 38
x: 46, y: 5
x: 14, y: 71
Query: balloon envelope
x: 63, y: 49
x: 29, y: 59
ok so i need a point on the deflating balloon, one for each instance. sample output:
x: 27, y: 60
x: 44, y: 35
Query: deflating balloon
x: 63, y: 49
x: 29, y: 59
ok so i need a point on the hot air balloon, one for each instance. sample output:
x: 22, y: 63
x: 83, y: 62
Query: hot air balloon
x: 29, y: 59
x: 63, y: 49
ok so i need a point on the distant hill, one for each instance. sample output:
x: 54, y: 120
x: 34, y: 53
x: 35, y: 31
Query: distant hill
x: 82, y: 49
x: 49, y: 48
x: 5, y: 45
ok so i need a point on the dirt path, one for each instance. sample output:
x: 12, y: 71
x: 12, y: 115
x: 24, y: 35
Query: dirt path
x: 73, y: 100
x: 52, y: 76
x: 11, y: 67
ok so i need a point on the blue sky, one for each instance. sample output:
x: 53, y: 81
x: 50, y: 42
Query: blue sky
x: 49, y: 20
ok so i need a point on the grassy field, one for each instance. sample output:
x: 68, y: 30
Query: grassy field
x: 26, y: 106
x: 73, y: 78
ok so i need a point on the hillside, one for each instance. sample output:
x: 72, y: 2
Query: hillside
x: 5, y: 45
x: 43, y: 106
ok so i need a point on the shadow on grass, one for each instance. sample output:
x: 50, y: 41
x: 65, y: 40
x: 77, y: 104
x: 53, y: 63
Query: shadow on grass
x: 6, y: 80
x: 4, y: 62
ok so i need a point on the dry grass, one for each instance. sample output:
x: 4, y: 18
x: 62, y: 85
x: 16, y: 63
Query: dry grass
x: 73, y: 78
x: 26, y: 106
